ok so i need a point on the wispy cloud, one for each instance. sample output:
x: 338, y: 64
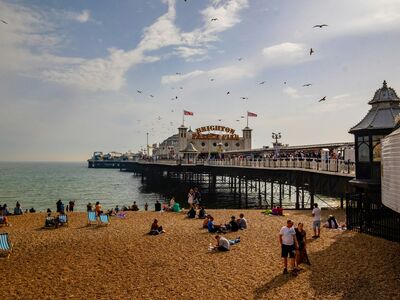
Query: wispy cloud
x: 81, y: 17
x: 285, y: 54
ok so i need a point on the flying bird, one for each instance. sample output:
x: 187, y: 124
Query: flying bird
x: 284, y: 82
x: 219, y: 120
x: 178, y: 73
x: 152, y: 96
x: 322, y: 99
x: 311, y: 51
x: 176, y: 97
x: 242, y: 117
x: 212, y: 79
x: 139, y: 91
x: 3, y: 21
x: 244, y: 98
x: 320, y: 25
x: 181, y: 87
x: 228, y: 93
x: 172, y: 110
x: 214, y: 19
x: 237, y: 120
x: 307, y: 84
x: 262, y: 82
x: 240, y: 58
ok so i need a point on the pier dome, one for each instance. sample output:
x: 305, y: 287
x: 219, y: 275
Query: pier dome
x: 385, y: 107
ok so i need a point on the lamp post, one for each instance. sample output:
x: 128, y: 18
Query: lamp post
x: 276, y: 136
x: 147, y: 143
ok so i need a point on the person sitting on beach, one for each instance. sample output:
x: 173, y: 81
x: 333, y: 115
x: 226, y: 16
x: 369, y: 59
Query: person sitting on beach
x: 59, y: 221
x: 232, y: 225
x: 242, y: 222
x: 274, y: 211
x: 280, y: 211
x: 98, y: 209
x: 5, y: 210
x: 117, y: 209
x: 3, y: 218
x: 89, y: 207
x: 18, y: 209
x: 155, y: 228
x: 157, y: 206
x: 202, y: 213
x: 212, y: 228
x: 171, y: 204
x: 192, y: 213
x: 134, y: 206
x: 205, y: 222
x: 223, y: 244
x: 32, y: 210
x: 331, y: 222
x: 49, y: 221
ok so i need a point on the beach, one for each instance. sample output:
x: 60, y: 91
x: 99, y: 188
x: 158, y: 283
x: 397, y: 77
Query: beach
x: 121, y: 261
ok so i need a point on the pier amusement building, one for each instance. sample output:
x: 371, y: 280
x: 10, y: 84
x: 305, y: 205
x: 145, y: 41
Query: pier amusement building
x: 206, y: 141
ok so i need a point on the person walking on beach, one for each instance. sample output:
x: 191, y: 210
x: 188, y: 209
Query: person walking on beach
x: 316, y: 213
x: 301, y: 252
x: 287, y: 239
x: 60, y: 206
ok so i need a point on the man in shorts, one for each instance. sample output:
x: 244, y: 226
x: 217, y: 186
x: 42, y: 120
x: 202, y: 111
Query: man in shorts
x: 287, y: 239
x: 316, y: 213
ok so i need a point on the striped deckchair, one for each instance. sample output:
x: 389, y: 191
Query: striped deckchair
x: 92, y: 219
x: 63, y: 219
x: 5, y: 244
x: 104, y: 220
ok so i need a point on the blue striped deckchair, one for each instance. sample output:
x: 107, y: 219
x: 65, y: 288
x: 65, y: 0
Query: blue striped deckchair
x: 92, y: 219
x: 104, y: 219
x: 5, y: 244
x: 63, y: 219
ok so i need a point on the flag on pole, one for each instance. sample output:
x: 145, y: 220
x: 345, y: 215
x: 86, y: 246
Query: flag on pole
x: 250, y: 114
x: 187, y: 113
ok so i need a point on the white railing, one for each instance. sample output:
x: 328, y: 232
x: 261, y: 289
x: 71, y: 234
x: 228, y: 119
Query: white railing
x: 328, y: 165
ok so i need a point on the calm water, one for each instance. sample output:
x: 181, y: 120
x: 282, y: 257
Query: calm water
x: 40, y: 185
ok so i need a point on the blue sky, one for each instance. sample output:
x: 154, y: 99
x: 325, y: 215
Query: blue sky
x: 70, y: 70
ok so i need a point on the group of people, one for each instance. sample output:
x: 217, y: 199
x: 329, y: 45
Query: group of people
x: 55, y: 222
x: 192, y: 213
x: 233, y: 225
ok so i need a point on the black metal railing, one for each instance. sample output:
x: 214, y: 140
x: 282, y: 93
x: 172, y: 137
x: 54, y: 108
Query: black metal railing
x: 372, y: 217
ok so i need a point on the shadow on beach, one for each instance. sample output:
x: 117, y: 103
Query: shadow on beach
x: 349, y: 268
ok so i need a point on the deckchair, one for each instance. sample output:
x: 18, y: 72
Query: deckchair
x: 5, y: 244
x: 92, y: 219
x: 63, y: 219
x: 104, y: 220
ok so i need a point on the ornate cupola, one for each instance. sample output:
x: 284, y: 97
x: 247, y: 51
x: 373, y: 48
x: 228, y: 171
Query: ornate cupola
x: 379, y: 122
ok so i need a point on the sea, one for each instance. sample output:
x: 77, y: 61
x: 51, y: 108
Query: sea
x: 41, y: 184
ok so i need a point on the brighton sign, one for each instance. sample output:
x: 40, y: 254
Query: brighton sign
x: 215, y: 132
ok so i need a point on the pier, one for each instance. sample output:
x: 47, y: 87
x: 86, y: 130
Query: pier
x: 262, y: 183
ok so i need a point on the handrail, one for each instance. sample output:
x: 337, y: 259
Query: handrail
x: 323, y: 165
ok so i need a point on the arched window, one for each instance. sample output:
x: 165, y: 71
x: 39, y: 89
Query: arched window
x: 363, y: 148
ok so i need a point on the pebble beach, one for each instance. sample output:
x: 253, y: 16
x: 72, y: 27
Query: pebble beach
x: 121, y: 261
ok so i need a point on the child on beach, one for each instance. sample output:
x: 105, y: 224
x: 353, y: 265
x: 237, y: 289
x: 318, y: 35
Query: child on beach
x: 155, y: 228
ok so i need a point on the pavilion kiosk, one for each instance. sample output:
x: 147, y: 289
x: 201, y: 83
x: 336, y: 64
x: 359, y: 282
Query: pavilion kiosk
x: 189, y: 154
x: 365, y: 211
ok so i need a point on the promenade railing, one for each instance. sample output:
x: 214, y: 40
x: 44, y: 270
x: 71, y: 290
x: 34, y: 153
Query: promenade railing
x: 322, y: 165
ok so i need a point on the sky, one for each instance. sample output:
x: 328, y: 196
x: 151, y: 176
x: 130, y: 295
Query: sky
x: 70, y: 71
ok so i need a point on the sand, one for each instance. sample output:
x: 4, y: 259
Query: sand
x: 122, y: 262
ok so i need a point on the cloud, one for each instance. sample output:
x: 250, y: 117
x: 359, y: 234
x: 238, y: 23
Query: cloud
x: 291, y: 92
x: 285, y: 54
x: 108, y: 73
x: 172, y: 79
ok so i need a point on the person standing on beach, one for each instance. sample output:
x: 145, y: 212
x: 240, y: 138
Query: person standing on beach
x: 71, y: 205
x: 190, y: 198
x: 98, y: 209
x: 316, y: 213
x: 287, y: 239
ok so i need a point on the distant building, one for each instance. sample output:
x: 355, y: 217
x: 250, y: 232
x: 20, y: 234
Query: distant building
x: 212, y: 140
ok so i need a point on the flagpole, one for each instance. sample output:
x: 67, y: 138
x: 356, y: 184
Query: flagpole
x: 183, y: 118
x: 247, y: 119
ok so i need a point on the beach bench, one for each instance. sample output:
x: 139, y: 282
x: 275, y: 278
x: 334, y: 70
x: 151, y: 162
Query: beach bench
x: 92, y: 218
x: 5, y: 245
x: 104, y: 220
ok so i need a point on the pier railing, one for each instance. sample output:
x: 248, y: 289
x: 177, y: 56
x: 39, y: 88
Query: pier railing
x: 321, y: 165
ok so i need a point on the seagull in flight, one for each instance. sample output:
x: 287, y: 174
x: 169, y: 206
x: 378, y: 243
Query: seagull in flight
x: 242, y: 117
x: 3, y: 21
x: 139, y: 91
x: 214, y: 19
x: 219, y: 120
x: 311, y: 51
x: 181, y: 88
x: 320, y: 25
x: 307, y: 84
x: 212, y: 79
x: 284, y: 82
x: 262, y: 82
x: 240, y: 58
x: 228, y: 93
x: 178, y: 73
x: 322, y: 99
x: 244, y: 98
x: 237, y: 120
x: 152, y: 96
